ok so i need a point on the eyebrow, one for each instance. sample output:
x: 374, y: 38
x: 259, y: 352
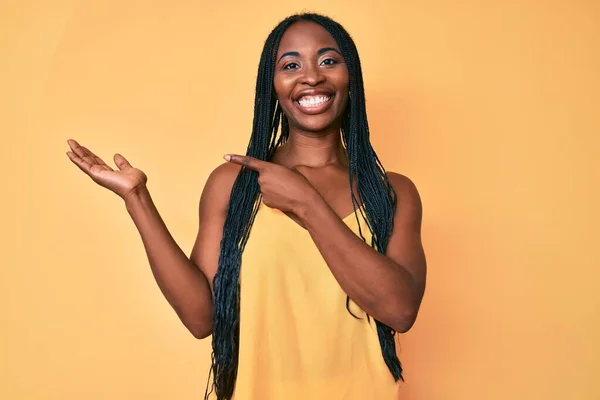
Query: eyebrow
x: 319, y: 52
x: 326, y: 49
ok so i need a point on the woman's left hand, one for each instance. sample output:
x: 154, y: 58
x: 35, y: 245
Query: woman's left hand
x: 281, y: 187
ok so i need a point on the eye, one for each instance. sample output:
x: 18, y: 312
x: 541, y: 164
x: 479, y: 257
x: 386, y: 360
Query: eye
x: 291, y: 65
x: 329, y: 61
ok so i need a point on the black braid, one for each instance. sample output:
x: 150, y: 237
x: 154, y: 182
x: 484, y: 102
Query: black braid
x: 374, y: 190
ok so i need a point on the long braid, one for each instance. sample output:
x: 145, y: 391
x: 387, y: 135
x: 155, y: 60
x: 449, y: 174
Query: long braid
x: 373, y: 187
x: 375, y: 192
x: 242, y: 209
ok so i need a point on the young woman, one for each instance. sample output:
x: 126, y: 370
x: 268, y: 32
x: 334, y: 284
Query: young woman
x: 308, y: 259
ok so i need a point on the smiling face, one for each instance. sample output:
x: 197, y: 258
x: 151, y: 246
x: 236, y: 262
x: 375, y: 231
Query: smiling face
x: 311, y: 79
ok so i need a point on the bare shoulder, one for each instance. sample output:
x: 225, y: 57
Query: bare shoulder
x: 403, y: 186
x: 409, y: 200
x: 213, y: 211
x: 219, y: 183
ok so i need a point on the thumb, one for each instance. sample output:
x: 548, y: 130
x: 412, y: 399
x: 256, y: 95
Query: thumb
x: 121, y: 162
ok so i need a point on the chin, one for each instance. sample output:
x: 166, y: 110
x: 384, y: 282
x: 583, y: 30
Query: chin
x: 315, y: 123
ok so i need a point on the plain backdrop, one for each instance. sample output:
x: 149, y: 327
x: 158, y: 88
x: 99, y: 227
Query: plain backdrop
x: 492, y: 108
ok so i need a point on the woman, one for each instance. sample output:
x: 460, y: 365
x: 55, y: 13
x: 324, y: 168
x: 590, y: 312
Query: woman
x: 333, y: 265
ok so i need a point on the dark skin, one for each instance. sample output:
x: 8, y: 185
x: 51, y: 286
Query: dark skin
x: 307, y: 179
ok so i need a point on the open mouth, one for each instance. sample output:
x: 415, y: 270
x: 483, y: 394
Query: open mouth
x: 314, y: 104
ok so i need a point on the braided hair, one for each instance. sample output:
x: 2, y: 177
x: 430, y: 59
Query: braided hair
x: 374, y: 190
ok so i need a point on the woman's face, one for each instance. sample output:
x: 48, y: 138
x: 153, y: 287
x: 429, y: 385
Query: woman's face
x: 311, y: 79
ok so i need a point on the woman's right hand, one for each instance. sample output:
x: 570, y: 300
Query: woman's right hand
x: 124, y: 182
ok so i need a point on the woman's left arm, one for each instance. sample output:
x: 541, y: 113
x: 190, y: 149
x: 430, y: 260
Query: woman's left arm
x: 388, y: 287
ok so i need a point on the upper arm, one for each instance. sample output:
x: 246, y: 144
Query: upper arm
x: 213, y: 211
x: 405, y: 246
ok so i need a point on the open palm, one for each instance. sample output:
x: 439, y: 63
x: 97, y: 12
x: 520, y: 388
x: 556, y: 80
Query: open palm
x: 123, y: 181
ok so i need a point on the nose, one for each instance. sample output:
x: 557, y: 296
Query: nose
x: 312, y: 75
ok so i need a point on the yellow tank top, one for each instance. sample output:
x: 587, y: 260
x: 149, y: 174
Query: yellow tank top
x: 297, y: 339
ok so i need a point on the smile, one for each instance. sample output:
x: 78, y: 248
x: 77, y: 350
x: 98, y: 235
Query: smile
x: 314, y: 104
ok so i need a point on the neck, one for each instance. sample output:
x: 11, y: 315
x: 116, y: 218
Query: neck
x: 312, y: 149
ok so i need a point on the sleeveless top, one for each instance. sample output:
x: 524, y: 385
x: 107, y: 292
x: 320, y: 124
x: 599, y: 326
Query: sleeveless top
x: 297, y: 339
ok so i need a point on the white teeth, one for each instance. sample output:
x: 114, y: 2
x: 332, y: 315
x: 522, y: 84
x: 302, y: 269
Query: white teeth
x: 313, y: 101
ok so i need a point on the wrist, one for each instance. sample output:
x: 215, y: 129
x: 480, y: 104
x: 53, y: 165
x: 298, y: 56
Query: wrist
x: 312, y: 200
x: 137, y: 198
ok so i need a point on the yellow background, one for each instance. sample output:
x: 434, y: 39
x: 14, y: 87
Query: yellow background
x: 491, y: 107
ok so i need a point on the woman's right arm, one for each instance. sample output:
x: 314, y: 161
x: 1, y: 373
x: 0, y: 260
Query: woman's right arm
x: 185, y: 282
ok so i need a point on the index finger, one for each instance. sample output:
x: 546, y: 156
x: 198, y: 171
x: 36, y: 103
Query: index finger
x: 246, y: 161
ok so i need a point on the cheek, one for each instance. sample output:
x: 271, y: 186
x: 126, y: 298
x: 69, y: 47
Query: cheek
x: 282, y: 87
x: 342, y: 82
x: 344, y: 92
x: 277, y: 88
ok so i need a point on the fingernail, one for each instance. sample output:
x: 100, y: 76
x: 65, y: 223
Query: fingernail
x: 227, y: 157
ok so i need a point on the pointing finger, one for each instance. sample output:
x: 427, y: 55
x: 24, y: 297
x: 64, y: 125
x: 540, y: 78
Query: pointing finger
x: 247, y: 161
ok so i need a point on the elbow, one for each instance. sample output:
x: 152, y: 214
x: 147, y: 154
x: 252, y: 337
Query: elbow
x: 200, y: 328
x: 404, y: 314
x: 197, y: 321
x: 404, y: 323
x: 202, y: 335
x: 403, y: 317
x: 200, y: 331
x: 401, y: 321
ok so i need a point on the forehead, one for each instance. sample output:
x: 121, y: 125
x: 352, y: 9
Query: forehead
x: 305, y: 36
